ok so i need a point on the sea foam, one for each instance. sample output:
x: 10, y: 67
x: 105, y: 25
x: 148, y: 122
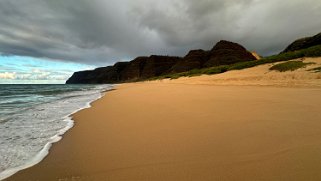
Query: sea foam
x: 27, y: 134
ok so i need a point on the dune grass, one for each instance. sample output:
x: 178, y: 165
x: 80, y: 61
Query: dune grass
x: 314, y: 51
x: 289, y: 66
x: 316, y: 70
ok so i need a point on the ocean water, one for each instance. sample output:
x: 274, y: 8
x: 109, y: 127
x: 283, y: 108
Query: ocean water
x: 32, y: 117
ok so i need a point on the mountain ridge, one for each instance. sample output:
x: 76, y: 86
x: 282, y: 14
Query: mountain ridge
x: 303, y: 43
x: 142, y: 68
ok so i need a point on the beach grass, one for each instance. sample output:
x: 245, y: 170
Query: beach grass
x: 314, y: 51
x: 289, y: 66
x: 315, y: 70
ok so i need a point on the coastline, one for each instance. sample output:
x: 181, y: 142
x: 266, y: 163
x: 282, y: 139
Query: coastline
x: 157, y: 131
x: 43, y: 153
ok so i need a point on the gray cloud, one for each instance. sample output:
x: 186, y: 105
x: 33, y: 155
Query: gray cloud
x: 102, y: 32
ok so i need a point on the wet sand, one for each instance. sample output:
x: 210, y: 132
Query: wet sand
x: 178, y: 131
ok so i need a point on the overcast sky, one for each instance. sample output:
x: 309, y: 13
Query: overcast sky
x: 101, y: 32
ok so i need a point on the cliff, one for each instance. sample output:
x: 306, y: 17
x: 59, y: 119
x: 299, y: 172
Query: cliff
x: 226, y: 53
x: 304, y: 43
x: 142, y: 68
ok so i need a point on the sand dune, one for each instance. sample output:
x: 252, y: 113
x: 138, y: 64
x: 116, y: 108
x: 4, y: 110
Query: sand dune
x: 260, y: 75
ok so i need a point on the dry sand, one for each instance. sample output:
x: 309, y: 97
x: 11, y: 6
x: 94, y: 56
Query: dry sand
x: 261, y: 75
x: 193, y: 129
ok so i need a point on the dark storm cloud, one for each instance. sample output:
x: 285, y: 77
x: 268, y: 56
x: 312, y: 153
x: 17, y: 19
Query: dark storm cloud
x: 264, y: 26
x: 104, y: 31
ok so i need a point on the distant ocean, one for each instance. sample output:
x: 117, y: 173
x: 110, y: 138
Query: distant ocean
x: 32, y: 117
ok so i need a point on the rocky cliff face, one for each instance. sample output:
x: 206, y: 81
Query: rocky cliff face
x: 158, y: 65
x: 142, y: 68
x: 304, y: 43
x: 110, y: 74
x: 146, y: 67
x: 195, y: 59
x: 225, y: 53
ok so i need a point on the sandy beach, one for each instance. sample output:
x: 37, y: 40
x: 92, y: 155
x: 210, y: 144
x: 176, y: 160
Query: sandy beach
x: 148, y: 90
x: 200, y: 130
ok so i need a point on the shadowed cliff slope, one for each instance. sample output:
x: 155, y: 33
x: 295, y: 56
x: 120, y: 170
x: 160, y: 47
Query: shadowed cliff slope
x: 304, y: 43
x: 142, y: 68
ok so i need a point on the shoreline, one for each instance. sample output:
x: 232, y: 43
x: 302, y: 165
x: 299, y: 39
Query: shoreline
x: 120, y: 117
x: 44, y: 152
